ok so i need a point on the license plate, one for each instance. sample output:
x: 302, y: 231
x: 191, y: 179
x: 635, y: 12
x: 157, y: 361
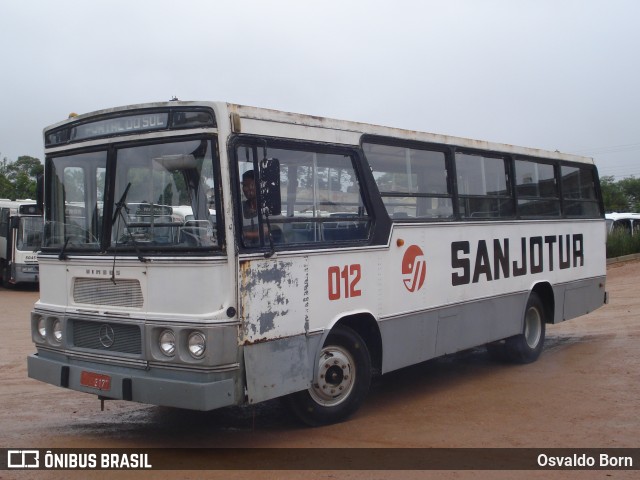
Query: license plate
x: 95, y: 380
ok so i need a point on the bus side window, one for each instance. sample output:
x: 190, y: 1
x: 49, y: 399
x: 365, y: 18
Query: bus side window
x: 579, y: 193
x: 537, y: 189
x: 4, y: 222
x: 482, y: 186
x: 413, y: 182
x: 622, y: 226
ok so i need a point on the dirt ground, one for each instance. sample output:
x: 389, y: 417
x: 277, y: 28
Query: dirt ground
x: 584, y: 392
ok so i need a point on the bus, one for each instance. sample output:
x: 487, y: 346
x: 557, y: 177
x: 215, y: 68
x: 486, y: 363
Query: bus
x: 339, y: 250
x: 625, y: 222
x: 20, y: 239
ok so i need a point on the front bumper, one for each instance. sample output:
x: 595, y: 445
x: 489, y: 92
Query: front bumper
x: 202, y: 391
x: 24, y: 273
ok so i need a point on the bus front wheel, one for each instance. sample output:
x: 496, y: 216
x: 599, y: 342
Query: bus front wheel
x: 341, y: 382
x: 527, y: 346
x: 5, y: 273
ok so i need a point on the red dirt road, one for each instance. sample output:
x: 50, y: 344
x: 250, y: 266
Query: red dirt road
x: 584, y: 392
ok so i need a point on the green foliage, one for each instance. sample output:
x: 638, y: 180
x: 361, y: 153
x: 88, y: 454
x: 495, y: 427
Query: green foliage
x: 18, y: 179
x: 7, y: 189
x: 631, y: 188
x: 620, y: 242
x: 614, y: 198
x: 621, y: 196
x: 29, y: 165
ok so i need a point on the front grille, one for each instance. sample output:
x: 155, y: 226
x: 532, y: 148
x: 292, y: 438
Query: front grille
x: 109, y: 337
x: 102, y: 291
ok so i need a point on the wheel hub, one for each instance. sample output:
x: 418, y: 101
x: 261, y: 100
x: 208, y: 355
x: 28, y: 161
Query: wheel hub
x: 334, y: 380
x: 532, y: 327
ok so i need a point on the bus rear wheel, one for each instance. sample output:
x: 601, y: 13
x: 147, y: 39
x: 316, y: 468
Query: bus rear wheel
x: 527, y: 346
x: 341, y: 382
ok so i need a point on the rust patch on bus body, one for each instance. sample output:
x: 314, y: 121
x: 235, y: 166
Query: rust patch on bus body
x: 267, y: 289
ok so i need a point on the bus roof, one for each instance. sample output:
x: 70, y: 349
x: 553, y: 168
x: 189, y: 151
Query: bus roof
x: 5, y: 202
x: 263, y: 121
x: 622, y: 216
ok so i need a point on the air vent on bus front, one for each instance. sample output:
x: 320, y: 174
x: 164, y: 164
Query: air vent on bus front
x: 102, y: 291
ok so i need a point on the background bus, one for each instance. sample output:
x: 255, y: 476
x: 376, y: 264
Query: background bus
x: 20, y: 240
x: 626, y: 222
x: 337, y: 250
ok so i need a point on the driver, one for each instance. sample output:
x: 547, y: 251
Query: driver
x: 250, y: 231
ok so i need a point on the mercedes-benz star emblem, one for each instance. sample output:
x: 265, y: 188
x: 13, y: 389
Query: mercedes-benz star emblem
x: 107, y: 336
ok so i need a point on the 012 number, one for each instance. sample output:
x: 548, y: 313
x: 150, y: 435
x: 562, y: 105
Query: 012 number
x: 344, y: 281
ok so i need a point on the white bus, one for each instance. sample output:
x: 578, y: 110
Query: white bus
x: 338, y: 250
x: 625, y: 222
x: 20, y: 239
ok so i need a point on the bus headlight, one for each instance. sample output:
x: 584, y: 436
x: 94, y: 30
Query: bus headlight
x: 42, y: 328
x: 57, y: 330
x: 197, y: 344
x: 167, y: 343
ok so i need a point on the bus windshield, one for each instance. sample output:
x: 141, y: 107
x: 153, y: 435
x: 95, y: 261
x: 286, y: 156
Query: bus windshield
x: 29, y: 234
x: 154, y: 185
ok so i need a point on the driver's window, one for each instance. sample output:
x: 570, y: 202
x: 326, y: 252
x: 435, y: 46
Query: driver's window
x: 320, y: 193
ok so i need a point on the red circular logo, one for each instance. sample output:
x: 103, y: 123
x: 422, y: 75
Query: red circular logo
x: 414, y: 268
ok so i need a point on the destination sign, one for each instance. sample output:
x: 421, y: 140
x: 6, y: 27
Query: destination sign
x: 28, y: 209
x: 119, y: 125
x: 126, y: 123
x: 146, y: 209
x: 73, y: 211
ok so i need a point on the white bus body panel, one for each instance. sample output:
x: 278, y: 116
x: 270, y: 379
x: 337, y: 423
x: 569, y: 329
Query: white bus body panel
x: 167, y: 288
x: 286, y: 307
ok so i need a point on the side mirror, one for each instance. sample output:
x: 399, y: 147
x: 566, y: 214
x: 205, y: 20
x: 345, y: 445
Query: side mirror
x: 14, y: 222
x: 270, y: 186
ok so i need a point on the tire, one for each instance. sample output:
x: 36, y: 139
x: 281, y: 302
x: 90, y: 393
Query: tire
x: 341, y: 383
x: 527, y: 346
x: 5, y: 272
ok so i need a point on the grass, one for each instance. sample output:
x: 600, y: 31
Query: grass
x: 621, y: 243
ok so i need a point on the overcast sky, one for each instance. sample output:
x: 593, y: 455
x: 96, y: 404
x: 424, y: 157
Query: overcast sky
x: 553, y: 74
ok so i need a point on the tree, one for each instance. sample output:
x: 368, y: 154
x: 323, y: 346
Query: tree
x: 615, y: 199
x: 631, y: 188
x: 18, y: 179
x: 31, y: 166
x: 7, y: 189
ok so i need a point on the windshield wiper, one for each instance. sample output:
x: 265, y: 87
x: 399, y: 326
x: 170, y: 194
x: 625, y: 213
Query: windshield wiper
x: 62, y: 255
x: 74, y: 236
x: 121, y: 204
x: 118, y: 215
